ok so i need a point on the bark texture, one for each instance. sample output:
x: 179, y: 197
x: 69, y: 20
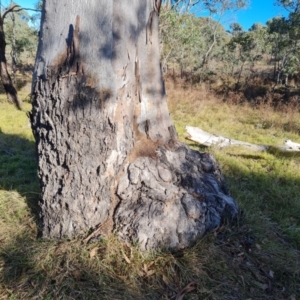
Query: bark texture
x: 169, y: 201
x: 108, y: 152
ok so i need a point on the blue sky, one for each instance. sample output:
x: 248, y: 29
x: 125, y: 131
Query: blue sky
x: 23, y: 3
x: 258, y: 11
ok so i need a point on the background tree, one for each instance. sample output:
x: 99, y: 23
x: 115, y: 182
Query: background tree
x: 244, y: 48
x: 197, y: 45
x: 182, y: 5
x: 21, y: 37
x: 35, y: 18
x: 10, y: 90
x: 191, y: 42
x: 109, y: 156
x: 188, y: 41
x: 293, y: 6
x: 284, y: 37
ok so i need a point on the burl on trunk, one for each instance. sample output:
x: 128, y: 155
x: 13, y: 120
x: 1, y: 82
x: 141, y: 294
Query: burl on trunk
x: 109, y: 156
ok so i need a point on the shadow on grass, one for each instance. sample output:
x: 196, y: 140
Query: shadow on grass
x: 220, y: 265
x: 39, y: 269
x: 61, y: 270
x: 18, y: 168
x: 267, y: 183
x: 275, y: 152
x: 32, y: 268
x: 249, y: 156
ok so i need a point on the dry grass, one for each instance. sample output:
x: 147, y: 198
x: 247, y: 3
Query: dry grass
x: 198, y: 104
x: 257, y: 259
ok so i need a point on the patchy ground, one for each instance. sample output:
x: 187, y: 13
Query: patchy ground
x: 256, y: 259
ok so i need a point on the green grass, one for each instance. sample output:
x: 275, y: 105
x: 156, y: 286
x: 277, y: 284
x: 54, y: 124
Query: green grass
x: 256, y: 259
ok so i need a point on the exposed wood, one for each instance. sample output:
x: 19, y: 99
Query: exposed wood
x: 202, y: 137
x: 291, y: 146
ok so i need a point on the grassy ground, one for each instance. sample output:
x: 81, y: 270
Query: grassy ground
x: 257, y: 259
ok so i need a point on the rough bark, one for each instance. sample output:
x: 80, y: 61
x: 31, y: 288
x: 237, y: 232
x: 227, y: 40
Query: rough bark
x: 11, y: 92
x: 109, y: 158
x: 171, y: 200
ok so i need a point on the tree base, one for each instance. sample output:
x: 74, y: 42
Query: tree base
x: 170, y: 200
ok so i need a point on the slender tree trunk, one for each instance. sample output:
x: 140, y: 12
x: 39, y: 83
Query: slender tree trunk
x: 168, y: 4
x: 13, y: 49
x: 240, y: 76
x: 208, y: 52
x: 11, y: 92
x: 109, y: 157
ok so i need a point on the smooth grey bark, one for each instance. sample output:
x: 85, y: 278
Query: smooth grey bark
x: 109, y: 156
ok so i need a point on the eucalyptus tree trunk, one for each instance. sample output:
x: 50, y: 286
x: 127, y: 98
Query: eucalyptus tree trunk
x: 109, y: 155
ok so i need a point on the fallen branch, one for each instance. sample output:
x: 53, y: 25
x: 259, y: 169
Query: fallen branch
x: 292, y: 146
x: 202, y: 137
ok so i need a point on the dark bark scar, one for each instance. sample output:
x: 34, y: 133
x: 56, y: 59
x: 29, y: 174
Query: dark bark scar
x: 73, y: 57
x: 154, y: 13
x: 149, y: 28
x: 157, y: 5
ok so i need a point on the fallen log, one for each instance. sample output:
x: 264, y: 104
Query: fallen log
x: 202, y: 137
x: 292, y: 146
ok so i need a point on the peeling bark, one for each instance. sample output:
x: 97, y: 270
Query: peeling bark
x: 108, y: 152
